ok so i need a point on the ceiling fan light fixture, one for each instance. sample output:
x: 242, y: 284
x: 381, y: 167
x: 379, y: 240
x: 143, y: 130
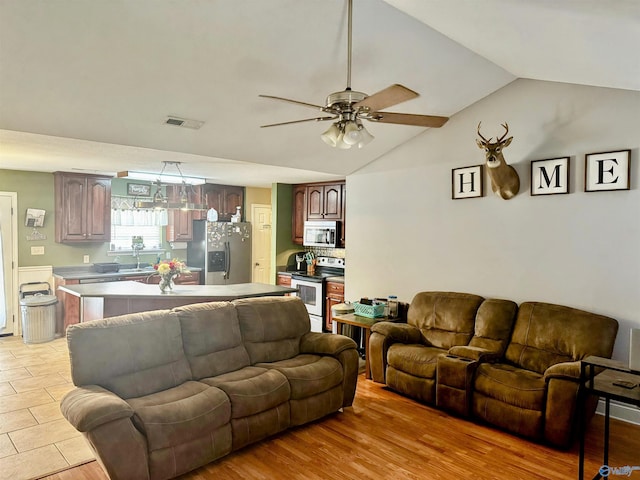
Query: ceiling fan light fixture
x: 352, y: 133
x: 366, y: 138
x: 330, y: 137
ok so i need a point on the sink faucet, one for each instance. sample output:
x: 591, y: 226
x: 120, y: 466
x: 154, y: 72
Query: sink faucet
x: 136, y: 253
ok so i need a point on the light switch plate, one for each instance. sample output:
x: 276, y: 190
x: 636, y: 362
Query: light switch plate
x: 37, y: 250
x: 85, y: 259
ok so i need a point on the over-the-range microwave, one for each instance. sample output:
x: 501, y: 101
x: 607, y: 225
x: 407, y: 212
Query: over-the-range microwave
x: 321, y: 234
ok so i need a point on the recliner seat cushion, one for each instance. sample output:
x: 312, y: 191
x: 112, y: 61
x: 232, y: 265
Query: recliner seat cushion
x: 180, y: 414
x: 252, y: 390
x: 308, y: 374
x: 512, y: 385
x: 417, y: 360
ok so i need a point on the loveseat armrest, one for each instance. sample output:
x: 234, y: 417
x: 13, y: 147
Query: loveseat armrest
x: 564, y: 370
x: 397, y: 332
x: 475, y: 353
x: 325, y: 343
x: 91, y: 406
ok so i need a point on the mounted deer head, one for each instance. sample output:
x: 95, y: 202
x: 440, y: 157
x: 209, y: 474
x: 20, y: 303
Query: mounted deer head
x: 504, y: 178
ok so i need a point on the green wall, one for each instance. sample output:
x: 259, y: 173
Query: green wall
x: 281, y: 246
x: 35, y: 190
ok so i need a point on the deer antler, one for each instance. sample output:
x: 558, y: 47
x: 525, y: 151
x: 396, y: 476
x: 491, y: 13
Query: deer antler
x: 480, y: 135
x: 506, y: 128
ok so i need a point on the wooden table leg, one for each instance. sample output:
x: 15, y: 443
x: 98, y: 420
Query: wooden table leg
x: 367, y: 368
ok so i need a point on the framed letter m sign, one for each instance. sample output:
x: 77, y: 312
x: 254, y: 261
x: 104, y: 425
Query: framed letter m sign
x: 549, y: 177
x: 467, y: 182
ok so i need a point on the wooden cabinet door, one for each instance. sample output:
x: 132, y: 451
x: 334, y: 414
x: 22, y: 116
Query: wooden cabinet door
x: 73, y: 208
x: 315, y: 202
x: 335, y: 295
x: 298, y: 214
x: 233, y: 197
x: 332, y: 200
x: 180, y: 226
x: 98, y: 218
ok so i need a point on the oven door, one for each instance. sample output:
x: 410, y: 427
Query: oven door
x: 311, y: 295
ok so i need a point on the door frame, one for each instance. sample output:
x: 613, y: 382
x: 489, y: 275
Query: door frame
x: 13, y: 280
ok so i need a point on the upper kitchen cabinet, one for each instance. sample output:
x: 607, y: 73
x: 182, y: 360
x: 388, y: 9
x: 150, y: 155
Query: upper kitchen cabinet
x: 324, y: 201
x: 317, y: 201
x: 298, y: 214
x: 180, y: 226
x: 82, y: 208
x: 224, y: 198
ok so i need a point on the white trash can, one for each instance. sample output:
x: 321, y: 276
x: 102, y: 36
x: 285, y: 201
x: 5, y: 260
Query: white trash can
x: 38, y: 310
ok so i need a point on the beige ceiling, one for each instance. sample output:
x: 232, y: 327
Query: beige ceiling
x: 88, y: 85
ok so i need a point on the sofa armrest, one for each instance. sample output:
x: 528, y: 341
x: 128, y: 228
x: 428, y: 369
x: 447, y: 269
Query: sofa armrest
x: 91, y: 406
x: 397, y: 332
x: 564, y: 370
x: 475, y: 353
x: 325, y: 343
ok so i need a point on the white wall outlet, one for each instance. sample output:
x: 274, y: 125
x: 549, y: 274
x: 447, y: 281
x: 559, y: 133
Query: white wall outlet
x: 85, y: 259
x: 37, y: 250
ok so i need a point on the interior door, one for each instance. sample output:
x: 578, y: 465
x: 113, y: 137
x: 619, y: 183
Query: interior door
x: 8, y: 269
x: 261, y: 245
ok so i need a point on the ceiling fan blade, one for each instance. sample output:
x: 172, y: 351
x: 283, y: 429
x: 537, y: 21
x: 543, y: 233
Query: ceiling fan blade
x: 295, y: 102
x: 317, y: 119
x: 409, y: 119
x: 388, y: 97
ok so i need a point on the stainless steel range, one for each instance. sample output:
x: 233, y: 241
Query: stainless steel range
x: 312, y: 288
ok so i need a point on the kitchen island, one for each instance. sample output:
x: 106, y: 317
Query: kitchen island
x: 101, y: 300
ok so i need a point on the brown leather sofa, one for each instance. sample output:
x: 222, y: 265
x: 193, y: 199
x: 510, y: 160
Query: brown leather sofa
x: 487, y: 359
x: 162, y: 393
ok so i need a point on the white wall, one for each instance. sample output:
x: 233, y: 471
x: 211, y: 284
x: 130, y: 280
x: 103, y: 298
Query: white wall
x: 582, y: 250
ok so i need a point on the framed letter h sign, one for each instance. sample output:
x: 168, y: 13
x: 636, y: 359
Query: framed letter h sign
x: 467, y: 182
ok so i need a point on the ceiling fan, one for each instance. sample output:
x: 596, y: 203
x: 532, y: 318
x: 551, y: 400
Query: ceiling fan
x: 350, y: 107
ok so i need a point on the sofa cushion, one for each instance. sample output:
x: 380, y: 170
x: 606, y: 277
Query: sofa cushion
x: 131, y: 355
x: 545, y: 334
x: 272, y: 327
x: 308, y: 374
x: 445, y: 319
x: 493, y: 325
x: 512, y: 385
x: 180, y: 414
x: 252, y: 390
x: 212, y: 339
x: 417, y: 360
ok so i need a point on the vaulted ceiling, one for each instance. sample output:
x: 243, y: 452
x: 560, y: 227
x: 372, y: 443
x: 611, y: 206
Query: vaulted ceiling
x: 88, y: 85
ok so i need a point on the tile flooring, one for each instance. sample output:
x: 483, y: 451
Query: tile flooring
x: 35, y: 439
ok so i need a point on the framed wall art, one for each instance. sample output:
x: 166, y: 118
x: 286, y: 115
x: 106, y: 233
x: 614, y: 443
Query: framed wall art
x: 550, y: 177
x: 138, y: 189
x: 607, y: 171
x: 467, y: 182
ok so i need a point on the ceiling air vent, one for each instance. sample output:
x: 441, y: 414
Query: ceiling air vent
x: 183, y: 122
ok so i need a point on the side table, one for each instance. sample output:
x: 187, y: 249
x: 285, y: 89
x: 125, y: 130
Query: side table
x: 597, y: 376
x: 365, y: 323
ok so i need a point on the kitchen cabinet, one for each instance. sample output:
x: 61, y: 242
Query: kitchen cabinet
x: 224, y: 198
x: 180, y: 222
x: 324, y: 202
x: 318, y: 201
x: 82, y: 208
x: 335, y: 295
x: 298, y: 214
x: 284, y: 281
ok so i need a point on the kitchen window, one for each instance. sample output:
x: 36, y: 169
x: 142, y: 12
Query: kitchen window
x: 127, y: 222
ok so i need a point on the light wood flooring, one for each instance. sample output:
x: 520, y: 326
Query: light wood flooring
x: 35, y: 439
x: 387, y: 436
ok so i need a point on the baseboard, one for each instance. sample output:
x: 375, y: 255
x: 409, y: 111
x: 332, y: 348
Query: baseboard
x: 620, y: 411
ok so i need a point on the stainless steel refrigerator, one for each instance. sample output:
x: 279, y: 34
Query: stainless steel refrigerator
x: 222, y: 250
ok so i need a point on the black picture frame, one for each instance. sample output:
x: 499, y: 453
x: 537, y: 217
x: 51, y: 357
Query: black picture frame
x: 607, y: 171
x: 138, y: 190
x: 467, y: 182
x: 550, y: 176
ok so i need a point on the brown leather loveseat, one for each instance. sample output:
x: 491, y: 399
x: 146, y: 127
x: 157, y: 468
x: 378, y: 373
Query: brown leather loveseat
x: 162, y: 393
x: 487, y: 359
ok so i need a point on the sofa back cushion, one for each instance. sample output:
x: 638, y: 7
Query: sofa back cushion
x: 545, y: 334
x: 212, y: 340
x: 272, y: 327
x: 445, y: 319
x: 494, y: 322
x: 131, y: 355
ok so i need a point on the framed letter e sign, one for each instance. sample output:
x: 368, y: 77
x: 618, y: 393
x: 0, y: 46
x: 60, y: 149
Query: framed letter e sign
x: 467, y: 182
x: 607, y: 171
